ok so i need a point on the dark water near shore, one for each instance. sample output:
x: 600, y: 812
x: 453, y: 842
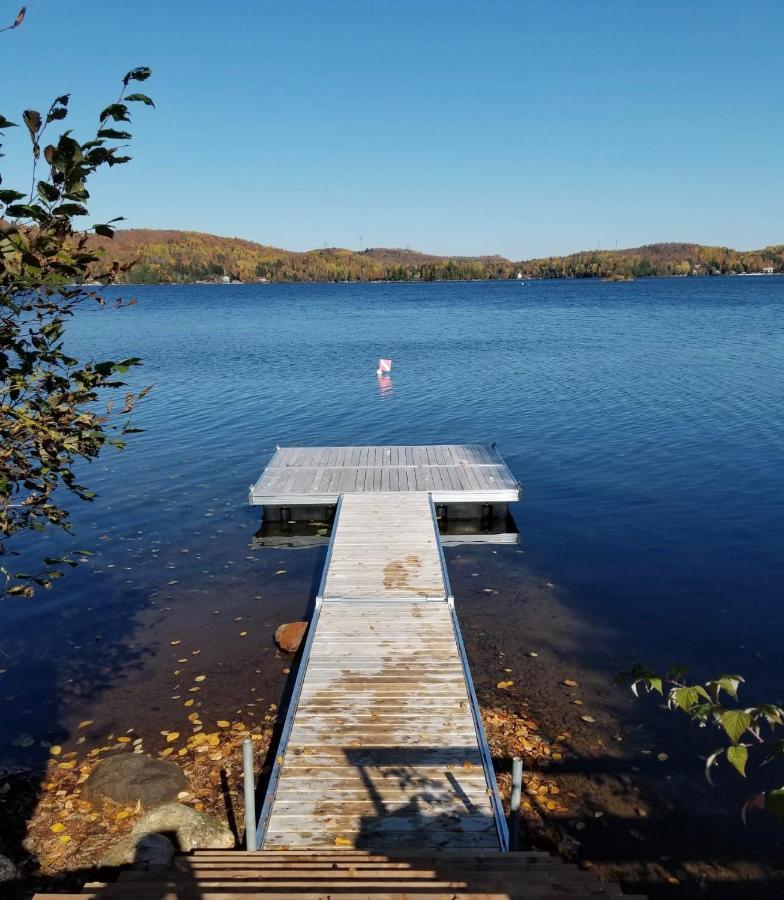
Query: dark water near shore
x: 644, y: 420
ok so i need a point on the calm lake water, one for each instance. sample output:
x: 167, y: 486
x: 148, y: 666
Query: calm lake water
x: 644, y: 421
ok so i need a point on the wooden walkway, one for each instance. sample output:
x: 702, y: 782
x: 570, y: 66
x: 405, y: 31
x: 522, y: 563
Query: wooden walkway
x: 383, y: 745
x: 450, y: 473
x: 383, y: 750
x: 385, y: 547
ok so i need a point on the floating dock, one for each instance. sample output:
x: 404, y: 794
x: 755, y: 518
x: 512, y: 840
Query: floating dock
x: 383, y: 745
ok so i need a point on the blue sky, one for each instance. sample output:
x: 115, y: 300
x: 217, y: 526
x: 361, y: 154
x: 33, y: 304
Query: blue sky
x: 487, y: 127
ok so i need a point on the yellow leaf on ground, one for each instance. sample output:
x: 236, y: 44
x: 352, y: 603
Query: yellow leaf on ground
x: 65, y: 838
x: 200, y: 678
x: 172, y: 736
x: 342, y: 842
x: 123, y: 740
x: 67, y: 765
x: 569, y: 682
x: 58, y: 827
x: 504, y: 684
x: 243, y: 634
x: 188, y: 703
x: 56, y: 750
x: 167, y: 751
x: 182, y: 752
x: 85, y: 723
x: 123, y: 814
x: 222, y: 723
x: 193, y: 717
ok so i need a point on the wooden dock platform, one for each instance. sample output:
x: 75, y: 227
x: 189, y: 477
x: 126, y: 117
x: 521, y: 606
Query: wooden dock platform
x: 383, y: 745
x: 450, y: 473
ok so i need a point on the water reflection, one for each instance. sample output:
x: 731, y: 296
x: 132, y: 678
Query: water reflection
x: 385, y: 385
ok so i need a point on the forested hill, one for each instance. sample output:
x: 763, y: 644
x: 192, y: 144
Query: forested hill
x: 188, y: 256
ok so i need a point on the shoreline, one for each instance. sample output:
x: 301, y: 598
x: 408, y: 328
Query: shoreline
x: 594, y: 792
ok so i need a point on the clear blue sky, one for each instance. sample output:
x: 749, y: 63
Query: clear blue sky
x: 486, y: 127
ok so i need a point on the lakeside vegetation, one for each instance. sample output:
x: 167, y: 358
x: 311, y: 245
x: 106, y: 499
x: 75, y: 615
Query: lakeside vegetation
x: 189, y: 256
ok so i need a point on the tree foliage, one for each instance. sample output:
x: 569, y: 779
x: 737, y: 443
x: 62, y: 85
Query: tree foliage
x: 744, y: 730
x: 180, y: 257
x: 50, y: 419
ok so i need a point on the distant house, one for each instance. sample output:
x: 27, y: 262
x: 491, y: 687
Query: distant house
x: 767, y: 270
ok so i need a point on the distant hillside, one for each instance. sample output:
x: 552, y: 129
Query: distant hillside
x: 188, y: 256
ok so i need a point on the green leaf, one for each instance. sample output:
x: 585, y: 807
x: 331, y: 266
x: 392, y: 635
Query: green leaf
x: 27, y: 210
x: 728, y: 683
x: 734, y: 722
x: 9, y: 196
x: 116, y: 111
x: 70, y: 209
x: 738, y: 755
x: 104, y: 230
x: 140, y: 98
x: 684, y: 698
x: 774, y: 802
x: 113, y: 134
x: 141, y: 73
x: 48, y: 192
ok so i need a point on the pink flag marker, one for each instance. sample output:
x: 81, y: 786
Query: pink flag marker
x: 384, y: 365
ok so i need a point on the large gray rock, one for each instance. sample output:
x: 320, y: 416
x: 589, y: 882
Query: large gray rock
x: 8, y: 871
x: 193, y: 830
x: 128, y: 778
x: 146, y: 851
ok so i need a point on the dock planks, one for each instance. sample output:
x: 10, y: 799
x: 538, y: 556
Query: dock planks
x: 385, y: 547
x: 383, y: 749
x: 451, y: 473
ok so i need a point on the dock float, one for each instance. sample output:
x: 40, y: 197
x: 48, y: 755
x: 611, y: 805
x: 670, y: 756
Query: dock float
x: 383, y: 745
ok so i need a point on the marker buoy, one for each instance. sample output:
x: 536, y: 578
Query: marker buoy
x: 384, y: 366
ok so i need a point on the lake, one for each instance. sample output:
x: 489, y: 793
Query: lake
x: 643, y: 419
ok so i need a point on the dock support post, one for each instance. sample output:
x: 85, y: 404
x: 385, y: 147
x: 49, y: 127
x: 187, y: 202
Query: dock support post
x: 514, y: 803
x: 250, y: 795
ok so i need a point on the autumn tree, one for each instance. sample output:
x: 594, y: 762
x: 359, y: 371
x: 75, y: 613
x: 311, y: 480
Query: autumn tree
x: 51, y: 420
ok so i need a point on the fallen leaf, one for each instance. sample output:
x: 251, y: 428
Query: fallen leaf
x: 85, y: 723
x: 188, y: 703
x: 504, y: 684
x: 56, y: 750
x: 569, y: 682
x: 340, y: 841
x: 283, y: 572
x: 662, y: 757
x: 174, y: 643
x: 58, y: 827
x: 243, y: 634
x: 588, y: 718
x: 200, y: 678
x: 222, y: 723
x: 172, y: 736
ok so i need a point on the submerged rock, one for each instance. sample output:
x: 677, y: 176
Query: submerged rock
x: 128, y: 778
x: 8, y: 871
x: 289, y: 636
x: 193, y: 830
x: 148, y: 851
